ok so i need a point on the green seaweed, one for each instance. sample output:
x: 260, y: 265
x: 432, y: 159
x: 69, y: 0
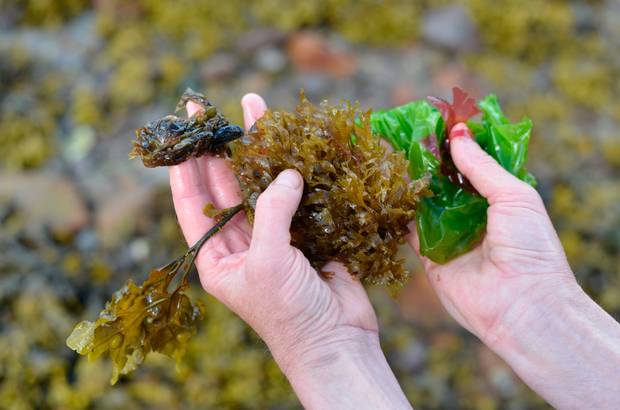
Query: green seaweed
x: 453, y: 220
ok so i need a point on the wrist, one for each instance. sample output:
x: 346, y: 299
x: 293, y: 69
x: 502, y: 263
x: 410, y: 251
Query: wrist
x: 314, y: 352
x: 566, y: 348
x: 543, y: 303
x: 345, y: 370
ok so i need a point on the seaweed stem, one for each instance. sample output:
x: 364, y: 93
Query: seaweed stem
x: 226, y: 216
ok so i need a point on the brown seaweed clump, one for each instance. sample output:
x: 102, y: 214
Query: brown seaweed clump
x: 357, y: 197
x: 172, y: 140
x: 150, y: 317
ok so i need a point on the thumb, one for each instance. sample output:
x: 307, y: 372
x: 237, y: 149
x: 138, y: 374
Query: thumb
x: 274, y: 211
x: 485, y: 174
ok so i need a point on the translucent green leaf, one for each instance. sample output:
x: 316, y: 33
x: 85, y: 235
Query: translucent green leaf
x: 449, y: 222
x: 82, y: 337
x: 406, y: 123
x: 506, y: 142
x: 453, y: 220
x: 421, y: 161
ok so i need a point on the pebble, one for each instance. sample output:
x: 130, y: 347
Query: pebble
x: 47, y: 200
x: 270, y: 59
x: 449, y: 27
x: 311, y: 52
x: 258, y: 39
x: 218, y: 66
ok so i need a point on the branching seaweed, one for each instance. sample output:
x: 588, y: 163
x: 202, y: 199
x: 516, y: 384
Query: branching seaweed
x: 147, y: 317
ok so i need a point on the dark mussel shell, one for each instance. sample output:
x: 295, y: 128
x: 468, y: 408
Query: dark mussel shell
x: 171, y: 140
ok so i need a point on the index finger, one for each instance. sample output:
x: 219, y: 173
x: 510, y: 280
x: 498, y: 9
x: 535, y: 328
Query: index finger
x: 253, y: 108
x: 190, y: 194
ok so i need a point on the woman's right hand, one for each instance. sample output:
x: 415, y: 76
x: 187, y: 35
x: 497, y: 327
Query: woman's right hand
x: 517, y: 293
x: 519, y: 259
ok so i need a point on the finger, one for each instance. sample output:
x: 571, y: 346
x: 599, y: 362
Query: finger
x: 253, y: 108
x: 221, y: 181
x: 189, y: 195
x: 223, y: 191
x: 341, y: 281
x: 193, y: 108
x: 274, y: 211
x: 485, y: 174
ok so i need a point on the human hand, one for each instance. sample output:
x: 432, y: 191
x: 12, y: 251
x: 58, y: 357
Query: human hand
x: 517, y: 293
x: 520, y: 258
x: 323, y: 334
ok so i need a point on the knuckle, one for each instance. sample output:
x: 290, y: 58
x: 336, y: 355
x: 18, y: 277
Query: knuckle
x: 526, y: 193
x: 521, y: 194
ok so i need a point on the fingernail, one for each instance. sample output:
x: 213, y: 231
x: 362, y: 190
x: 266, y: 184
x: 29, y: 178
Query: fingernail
x: 247, y: 113
x: 289, y: 179
x: 192, y: 108
x: 461, y: 130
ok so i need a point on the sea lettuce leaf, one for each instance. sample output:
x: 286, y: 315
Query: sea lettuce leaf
x: 453, y: 220
x: 506, y: 142
x: 406, y: 123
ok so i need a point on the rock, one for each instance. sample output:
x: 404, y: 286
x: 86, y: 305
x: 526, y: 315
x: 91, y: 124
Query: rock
x: 454, y: 74
x: 47, y: 201
x: 259, y: 38
x: 586, y: 20
x: 86, y: 240
x: 402, y: 93
x: 139, y: 250
x: 610, y: 24
x: 314, y: 84
x: 450, y: 27
x: 413, y: 356
x: 79, y: 143
x: 270, y: 59
x: 218, y: 66
x: 117, y: 215
x: 311, y: 52
x: 65, y: 49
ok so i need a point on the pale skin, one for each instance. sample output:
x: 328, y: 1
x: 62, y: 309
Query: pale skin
x: 515, y: 291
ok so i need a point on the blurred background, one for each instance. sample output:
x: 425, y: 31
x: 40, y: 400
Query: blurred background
x: 77, y: 218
